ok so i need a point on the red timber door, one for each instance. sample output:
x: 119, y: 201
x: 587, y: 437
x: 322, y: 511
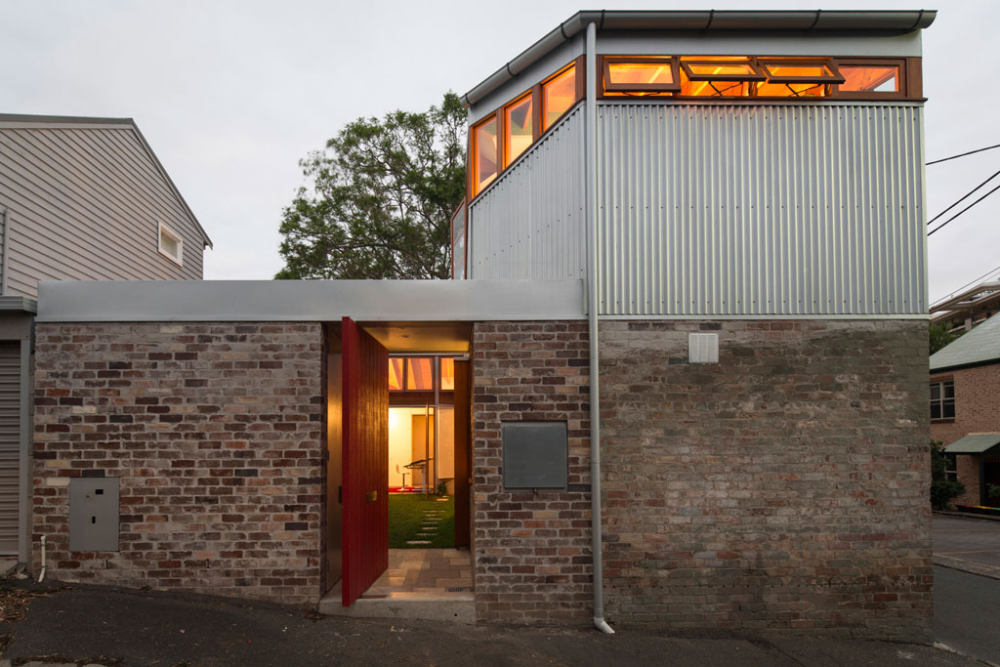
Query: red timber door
x: 366, y: 460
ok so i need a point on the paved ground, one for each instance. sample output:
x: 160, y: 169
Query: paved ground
x: 968, y: 544
x: 112, y: 627
x: 967, y: 613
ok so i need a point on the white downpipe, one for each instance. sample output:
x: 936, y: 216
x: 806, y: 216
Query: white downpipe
x: 41, y: 576
x: 593, y: 283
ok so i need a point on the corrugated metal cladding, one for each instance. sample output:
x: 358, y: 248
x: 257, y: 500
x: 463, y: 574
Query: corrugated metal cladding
x: 761, y: 210
x: 10, y: 444
x: 530, y: 223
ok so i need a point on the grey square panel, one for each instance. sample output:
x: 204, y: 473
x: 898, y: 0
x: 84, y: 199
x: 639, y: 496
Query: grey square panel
x: 93, y: 514
x: 535, y: 455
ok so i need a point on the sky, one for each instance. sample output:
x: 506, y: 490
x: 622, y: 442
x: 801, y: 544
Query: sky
x: 231, y: 94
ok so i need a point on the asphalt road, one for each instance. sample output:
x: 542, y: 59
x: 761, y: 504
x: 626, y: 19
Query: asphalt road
x: 967, y: 613
x: 968, y: 544
x: 82, y: 624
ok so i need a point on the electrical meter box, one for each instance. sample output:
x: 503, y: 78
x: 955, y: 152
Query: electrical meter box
x: 93, y: 514
x: 535, y: 455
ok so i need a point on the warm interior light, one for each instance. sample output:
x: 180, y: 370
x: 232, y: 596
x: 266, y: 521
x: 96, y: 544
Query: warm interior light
x: 870, y: 78
x: 793, y: 90
x: 645, y: 74
x: 447, y: 374
x: 517, y: 129
x: 419, y: 374
x: 799, y: 71
x: 558, y: 95
x: 395, y: 373
x: 485, y: 151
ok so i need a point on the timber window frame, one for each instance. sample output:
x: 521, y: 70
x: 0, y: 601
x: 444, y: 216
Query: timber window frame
x: 633, y: 88
x: 755, y: 74
x: 538, y: 96
x: 942, y: 400
x: 834, y: 75
x: 170, y: 244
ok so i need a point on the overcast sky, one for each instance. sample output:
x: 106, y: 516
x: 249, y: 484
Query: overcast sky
x: 232, y: 93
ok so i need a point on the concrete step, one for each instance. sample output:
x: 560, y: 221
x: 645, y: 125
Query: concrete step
x: 458, y: 607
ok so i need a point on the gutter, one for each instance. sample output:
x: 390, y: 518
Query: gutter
x: 593, y: 285
x: 801, y: 22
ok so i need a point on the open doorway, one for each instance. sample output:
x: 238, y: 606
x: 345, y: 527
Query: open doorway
x: 425, y: 452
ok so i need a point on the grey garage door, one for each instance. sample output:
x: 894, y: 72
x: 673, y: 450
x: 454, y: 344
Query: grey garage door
x: 10, y: 431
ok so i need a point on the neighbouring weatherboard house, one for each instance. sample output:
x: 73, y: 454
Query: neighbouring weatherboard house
x: 965, y: 410
x: 677, y: 379
x: 80, y: 199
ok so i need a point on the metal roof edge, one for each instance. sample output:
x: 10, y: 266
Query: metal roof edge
x: 886, y: 22
x: 308, y: 300
x: 41, y: 119
x: 171, y: 185
x: 18, y: 304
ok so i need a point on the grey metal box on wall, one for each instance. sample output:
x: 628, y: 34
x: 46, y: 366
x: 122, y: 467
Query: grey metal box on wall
x: 535, y: 455
x: 93, y: 514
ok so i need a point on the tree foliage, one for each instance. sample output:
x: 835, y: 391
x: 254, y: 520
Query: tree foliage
x: 943, y: 490
x: 380, y: 200
x: 940, y: 334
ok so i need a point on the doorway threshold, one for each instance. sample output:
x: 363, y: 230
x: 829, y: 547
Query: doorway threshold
x: 427, y: 584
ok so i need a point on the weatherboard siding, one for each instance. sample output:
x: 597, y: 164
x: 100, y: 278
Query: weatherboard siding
x: 85, y: 203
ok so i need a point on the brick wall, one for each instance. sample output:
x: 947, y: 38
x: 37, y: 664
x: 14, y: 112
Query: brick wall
x: 531, y: 549
x: 784, y: 487
x: 976, y: 411
x: 215, y: 433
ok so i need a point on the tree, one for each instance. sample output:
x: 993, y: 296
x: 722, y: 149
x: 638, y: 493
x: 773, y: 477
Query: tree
x: 941, y: 335
x: 381, y: 198
x: 943, y: 490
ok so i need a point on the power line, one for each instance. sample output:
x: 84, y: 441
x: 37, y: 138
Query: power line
x: 963, y: 210
x: 962, y: 288
x: 955, y: 157
x: 964, y: 197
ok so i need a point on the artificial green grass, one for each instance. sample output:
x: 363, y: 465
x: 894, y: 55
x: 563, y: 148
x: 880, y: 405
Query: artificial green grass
x: 406, y: 514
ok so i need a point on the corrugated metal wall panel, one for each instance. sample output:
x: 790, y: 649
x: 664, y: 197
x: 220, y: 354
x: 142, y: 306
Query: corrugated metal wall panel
x: 85, y: 204
x: 761, y: 210
x: 10, y: 444
x: 530, y: 223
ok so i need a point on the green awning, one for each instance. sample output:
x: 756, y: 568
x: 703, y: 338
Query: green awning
x: 974, y: 443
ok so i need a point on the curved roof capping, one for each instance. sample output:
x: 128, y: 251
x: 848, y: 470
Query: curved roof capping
x: 24, y: 121
x: 887, y: 22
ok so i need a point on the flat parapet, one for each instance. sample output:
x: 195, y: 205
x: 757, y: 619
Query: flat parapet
x: 309, y: 300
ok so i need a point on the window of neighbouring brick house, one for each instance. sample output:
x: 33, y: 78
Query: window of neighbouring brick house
x: 951, y: 467
x: 943, y: 399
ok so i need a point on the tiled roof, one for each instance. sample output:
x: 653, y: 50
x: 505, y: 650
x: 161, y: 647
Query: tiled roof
x: 981, y: 345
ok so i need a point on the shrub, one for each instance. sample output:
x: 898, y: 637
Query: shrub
x: 943, y: 490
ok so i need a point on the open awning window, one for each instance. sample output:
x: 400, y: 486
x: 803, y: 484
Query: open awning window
x: 974, y: 443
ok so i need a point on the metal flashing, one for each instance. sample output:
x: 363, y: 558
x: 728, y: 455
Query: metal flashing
x: 18, y: 304
x: 309, y: 300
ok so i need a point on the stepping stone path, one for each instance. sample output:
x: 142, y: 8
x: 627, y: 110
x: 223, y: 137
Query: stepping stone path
x: 429, y: 526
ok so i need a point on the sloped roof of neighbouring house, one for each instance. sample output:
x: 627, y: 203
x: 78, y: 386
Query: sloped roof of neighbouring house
x: 979, y: 346
x: 14, y: 122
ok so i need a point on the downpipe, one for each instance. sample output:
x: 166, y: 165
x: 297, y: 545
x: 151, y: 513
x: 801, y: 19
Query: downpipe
x: 41, y: 576
x: 592, y: 286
